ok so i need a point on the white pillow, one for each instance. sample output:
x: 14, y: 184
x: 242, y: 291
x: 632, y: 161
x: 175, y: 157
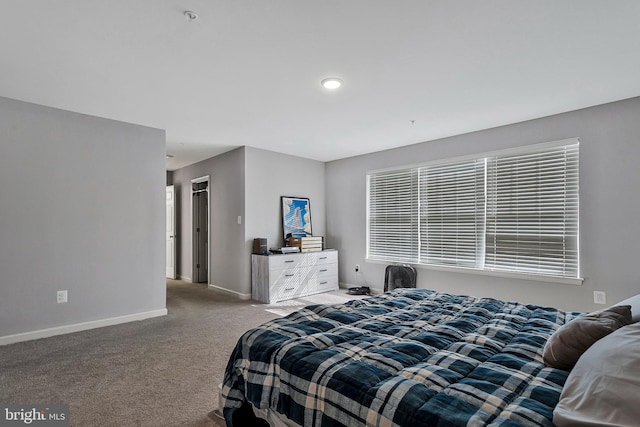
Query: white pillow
x: 634, y: 302
x: 602, y: 389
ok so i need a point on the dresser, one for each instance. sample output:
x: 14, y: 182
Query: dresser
x: 280, y: 277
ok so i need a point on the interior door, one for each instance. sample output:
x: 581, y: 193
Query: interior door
x: 200, y: 234
x: 171, y: 233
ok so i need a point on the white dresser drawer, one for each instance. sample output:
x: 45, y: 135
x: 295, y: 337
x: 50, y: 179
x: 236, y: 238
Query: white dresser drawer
x: 284, y: 277
x: 327, y: 257
x: 306, y: 259
x: 278, y: 262
x: 328, y: 282
x: 283, y: 292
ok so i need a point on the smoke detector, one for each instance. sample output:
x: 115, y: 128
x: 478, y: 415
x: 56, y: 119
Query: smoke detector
x: 191, y: 16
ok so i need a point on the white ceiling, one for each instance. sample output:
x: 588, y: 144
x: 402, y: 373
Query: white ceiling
x: 248, y: 72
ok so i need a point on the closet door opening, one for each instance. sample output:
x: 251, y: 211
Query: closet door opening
x: 200, y: 229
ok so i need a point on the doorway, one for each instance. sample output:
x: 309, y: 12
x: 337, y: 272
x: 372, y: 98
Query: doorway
x: 200, y: 229
x: 171, y: 233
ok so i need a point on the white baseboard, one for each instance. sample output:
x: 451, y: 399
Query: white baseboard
x: 77, y: 327
x: 238, y: 295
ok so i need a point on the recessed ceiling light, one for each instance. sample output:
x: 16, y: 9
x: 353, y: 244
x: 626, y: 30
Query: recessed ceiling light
x: 331, y: 83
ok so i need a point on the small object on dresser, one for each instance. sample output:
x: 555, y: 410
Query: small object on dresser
x: 260, y: 246
x: 285, y: 250
x: 306, y: 244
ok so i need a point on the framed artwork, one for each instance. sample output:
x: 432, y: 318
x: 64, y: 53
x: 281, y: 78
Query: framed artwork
x: 296, y: 217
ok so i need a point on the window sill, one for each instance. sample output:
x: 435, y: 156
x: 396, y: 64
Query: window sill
x: 507, y: 274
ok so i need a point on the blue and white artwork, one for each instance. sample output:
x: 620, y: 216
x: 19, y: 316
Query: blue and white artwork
x: 296, y: 217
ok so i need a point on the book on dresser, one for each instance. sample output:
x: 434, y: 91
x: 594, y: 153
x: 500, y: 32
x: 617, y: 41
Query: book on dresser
x: 280, y: 277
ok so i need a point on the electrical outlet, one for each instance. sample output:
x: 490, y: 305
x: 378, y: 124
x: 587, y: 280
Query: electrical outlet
x: 61, y: 297
x: 599, y: 297
x: 357, y: 268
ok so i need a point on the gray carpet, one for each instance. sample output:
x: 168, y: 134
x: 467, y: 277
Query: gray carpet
x: 156, y: 372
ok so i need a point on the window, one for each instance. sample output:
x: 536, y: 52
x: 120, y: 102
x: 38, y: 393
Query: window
x: 393, y: 222
x: 509, y: 211
x: 452, y: 206
x: 532, y: 212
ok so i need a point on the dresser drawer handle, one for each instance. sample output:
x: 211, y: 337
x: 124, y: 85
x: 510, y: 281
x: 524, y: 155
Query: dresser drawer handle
x: 323, y: 257
x: 289, y: 275
x: 324, y: 283
x: 323, y: 270
x: 290, y: 260
x: 289, y: 289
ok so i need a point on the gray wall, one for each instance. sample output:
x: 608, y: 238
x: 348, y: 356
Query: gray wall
x: 246, y: 182
x: 609, y: 206
x: 81, y: 209
x: 227, y: 254
x: 271, y: 175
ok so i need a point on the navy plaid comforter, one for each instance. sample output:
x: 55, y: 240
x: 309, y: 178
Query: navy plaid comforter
x: 410, y: 357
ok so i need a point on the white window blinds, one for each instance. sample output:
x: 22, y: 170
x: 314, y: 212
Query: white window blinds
x: 452, y: 213
x: 514, y: 211
x: 532, y: 212
x: 393, y: 216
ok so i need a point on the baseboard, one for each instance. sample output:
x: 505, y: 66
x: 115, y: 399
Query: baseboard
x: 238, y: 295
x: 77, y: 327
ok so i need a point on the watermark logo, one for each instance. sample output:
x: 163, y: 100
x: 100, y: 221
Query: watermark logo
x: 34, y: 415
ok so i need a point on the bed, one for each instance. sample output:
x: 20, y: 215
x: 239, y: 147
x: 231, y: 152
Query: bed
x: 409, y: 357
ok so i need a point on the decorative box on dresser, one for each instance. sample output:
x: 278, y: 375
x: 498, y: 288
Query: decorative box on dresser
x: 280, y: 277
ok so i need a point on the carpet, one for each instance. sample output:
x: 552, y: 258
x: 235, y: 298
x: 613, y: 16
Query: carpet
x: 284, y: 308
x: 162, y: 371
x: 156, y: 372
